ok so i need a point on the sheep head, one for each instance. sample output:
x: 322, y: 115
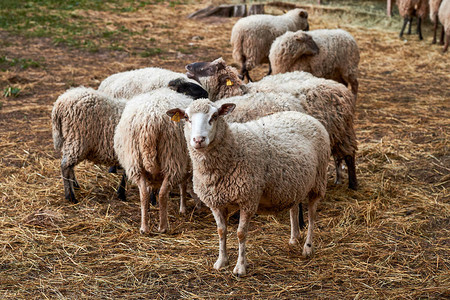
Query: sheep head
x: 201, y: 121
x: 218, y: 79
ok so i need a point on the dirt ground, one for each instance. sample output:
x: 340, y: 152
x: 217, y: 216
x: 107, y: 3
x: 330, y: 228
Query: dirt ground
x: 389, y: 239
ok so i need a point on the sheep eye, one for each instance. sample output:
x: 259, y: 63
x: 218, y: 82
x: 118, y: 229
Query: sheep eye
x: 213, y: 118
x: 186, y: 117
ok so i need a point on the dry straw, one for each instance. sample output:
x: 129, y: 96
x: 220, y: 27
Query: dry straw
x: 389, y: 239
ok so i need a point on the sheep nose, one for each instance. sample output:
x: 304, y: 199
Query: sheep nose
x: 199, y: 139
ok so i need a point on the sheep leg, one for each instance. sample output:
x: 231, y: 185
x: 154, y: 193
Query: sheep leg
x: 351, y: 169
x: 67, y: 171
x: 295, y: 227
x: 338, y: 166
x: 435, y: 25
x: 183, y: 197
x: 221, y: 221
x: 74, y: 179
x: 409, y: 25
x: 405, y: 21
x: 312, y: 208
x: 442, y: 36
x: 152, y: 197
x: 270, y: 69
x: 162, y: 202
x: 446, y: 43
x: 122, y: 188
x: 301, y: 221
x: 419, y: 28
x: 143, y: 193
x: 241, y: 265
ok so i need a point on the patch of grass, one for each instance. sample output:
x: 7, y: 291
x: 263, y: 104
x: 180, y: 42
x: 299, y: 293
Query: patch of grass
x: 23, y: 63
x: 150, y: 52
x: 11, y: 91
x: 57, y: 19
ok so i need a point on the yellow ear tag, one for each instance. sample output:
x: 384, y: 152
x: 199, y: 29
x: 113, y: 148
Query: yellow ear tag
x: 176, y: 117
x: 229, y: 82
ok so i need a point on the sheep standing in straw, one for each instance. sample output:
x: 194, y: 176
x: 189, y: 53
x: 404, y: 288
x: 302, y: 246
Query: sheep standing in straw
x: 444, y: 17
x: 410, y: 8
x: 83, y: 123
x: 152, y: 150
x: 252, y: 36
x: 268, y: 165
x: 331, y: 54
x: 328, y: 101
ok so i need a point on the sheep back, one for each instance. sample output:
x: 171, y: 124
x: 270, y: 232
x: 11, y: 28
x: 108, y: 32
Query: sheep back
x: 131, y: 83
x: 326, y: 100
x: 83, y: 123
x: 146, y: 140
x: 338, y: 55
x: 252, y: 36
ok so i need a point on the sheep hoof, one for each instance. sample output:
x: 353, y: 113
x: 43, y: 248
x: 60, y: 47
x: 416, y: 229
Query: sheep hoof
x: 144, y: 230
x: 71, y: 198
x: 239, y: 270
x: 293, y: 242
x: 307, y: 250
x: 122, y: 196
x: 182, y: 210
x: 221, y: 263
x: 162, y: 229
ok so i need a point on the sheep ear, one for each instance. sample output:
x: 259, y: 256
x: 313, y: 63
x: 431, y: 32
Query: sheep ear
x: 226, y: 108
x: 221, y: 64
x: 311, y: 47
x: 175, y: 114
x: 303, y: 14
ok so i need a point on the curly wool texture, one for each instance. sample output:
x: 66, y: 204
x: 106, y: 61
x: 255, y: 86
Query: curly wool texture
x: 148, y: 142
x: 409, y: 8
x: 337, y: 57
x: 252, y: 36
x: 83, y: 123
x: 272, y: 163
x: 131, y: 83
x: 434, y: 9
x: 326, y: 100
x: 254, y: 106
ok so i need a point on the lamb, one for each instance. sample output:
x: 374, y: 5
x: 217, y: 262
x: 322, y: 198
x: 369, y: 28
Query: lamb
x: 83, y: 123
x: 328, y: 101
x: 434, y: 9
x: 444, y: 17
x: 268, y: 165
x: 331, y: 54
x: 410, y: 8
x: 131, y: 83
x: 152, y: 150
x: 252, y: 36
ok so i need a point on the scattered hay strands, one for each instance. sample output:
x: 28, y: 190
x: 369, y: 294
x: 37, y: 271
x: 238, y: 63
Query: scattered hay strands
x: 389, y: 239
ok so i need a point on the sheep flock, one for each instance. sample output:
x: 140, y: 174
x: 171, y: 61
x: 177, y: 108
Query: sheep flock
x: 231, y: 145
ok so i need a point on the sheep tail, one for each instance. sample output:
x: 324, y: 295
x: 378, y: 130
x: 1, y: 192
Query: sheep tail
x: 58, y: 138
